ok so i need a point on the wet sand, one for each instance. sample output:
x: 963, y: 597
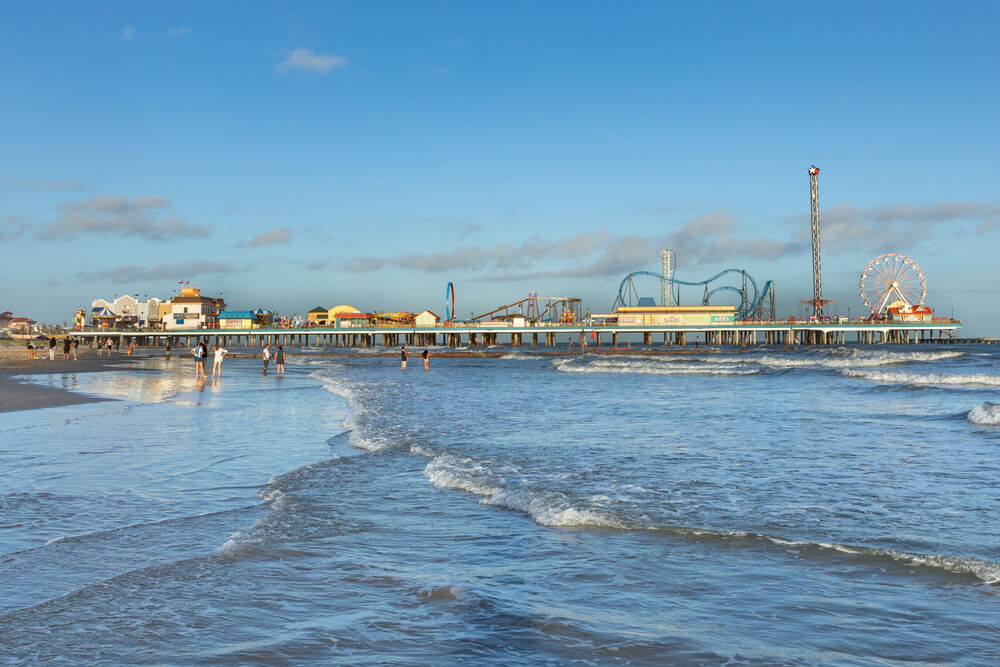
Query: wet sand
x: 16, y: 394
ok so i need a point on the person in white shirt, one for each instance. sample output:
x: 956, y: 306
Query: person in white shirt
x: 199, y: 362
x: 267, y: 356
x: 220, y: 354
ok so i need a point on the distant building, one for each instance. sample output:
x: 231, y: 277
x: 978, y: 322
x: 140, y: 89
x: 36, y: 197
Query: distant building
x: 22, y: 325
x: 237, y: 319
x: 245, y: 319
x: 191, y: 310
x: 917, y: 314
x: 128, y: 312
x: 318, y: 316
x: 426, y: 318
x: 676, y: 315
x: 5, y: 318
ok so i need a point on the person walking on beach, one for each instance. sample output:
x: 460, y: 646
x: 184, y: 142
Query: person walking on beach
x: 52, y: 348
x: 31, y: 350
x: 266, y: 355
x: 426, y: 357
x: 131, y: 347
x: 403, y: 355
x: 66, y: 345
x: 279, y: 360
x: 110, y: 345
x: 76, y: 346
x: 219, y: 356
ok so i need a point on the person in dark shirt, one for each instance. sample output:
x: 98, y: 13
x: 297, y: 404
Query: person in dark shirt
x: 402, y: 357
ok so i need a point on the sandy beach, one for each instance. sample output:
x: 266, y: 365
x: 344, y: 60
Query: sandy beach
x: 18, y: 395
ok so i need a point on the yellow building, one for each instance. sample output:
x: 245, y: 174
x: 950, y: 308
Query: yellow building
x: 676, y: 315
x: 342, y: 309
x: 318, y: 316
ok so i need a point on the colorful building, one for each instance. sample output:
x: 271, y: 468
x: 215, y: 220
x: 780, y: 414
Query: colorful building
x: 676, y: 315
x: 318, y: 316
x: 191, y: 310
x: 237, y: 319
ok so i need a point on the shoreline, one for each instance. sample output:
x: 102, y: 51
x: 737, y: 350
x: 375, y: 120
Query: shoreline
x: 17, y: 394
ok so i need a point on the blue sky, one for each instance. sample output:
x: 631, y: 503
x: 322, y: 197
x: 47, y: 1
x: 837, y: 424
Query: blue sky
x: 290, y: 155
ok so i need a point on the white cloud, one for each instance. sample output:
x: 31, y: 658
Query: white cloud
x: 179, y: 31
x: 710, y: 238
x: 309, y: 61
x: 128, y: 32
x: 115, y: 214
x: 845, y: 227
x: 270, y: 237
x: 133, y: 273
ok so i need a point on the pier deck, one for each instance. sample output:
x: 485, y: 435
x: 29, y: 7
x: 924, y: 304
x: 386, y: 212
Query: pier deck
x: 492, y: 333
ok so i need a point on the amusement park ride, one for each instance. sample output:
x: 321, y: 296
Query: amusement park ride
x: 754, y: 303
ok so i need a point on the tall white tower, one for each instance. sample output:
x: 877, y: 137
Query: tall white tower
x: 817, y: 276
x: 666, y: 277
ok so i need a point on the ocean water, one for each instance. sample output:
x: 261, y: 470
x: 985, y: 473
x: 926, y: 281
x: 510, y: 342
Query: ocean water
x: 824, y: 506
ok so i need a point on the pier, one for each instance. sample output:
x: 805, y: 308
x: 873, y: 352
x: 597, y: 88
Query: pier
x: 938, y: 331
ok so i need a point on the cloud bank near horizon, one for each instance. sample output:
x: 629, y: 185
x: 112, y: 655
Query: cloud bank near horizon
x: 711, y: 238
x: 116, y: 214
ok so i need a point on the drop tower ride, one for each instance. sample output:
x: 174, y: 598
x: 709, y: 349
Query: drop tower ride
x: 817, y: 276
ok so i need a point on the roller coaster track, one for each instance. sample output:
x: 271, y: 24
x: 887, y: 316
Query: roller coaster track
x: 751, y: 304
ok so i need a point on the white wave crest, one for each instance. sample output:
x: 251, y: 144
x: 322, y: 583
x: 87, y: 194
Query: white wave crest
x: 857, y: 358
x: 545, y: 508
x: 987, y: 413
x: 351, y: 393
x: 649, y: 367
x: 522, y: 356
x: 920, y: 379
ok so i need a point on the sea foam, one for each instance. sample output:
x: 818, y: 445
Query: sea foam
x: 650, y: 367
x: 547, y: 508
x: 987, y: 413
x: 920, y: 379
x: 856, y: 358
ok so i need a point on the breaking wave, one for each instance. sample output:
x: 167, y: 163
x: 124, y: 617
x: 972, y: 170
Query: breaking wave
x: 987, y: 413
x: 546, y: 508
x: 856, y: 358
x: 352, y: 393
x: 650, y: 367
x: 922, y: 379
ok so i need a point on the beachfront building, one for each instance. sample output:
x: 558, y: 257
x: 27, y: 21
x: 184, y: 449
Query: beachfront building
x: 191, y: 310
x: 237, y: 319
x: 21, y: 325
x: 245, y: 319
x: 676, y: 315
x: 126, y: 312
x: 318, y: 316
x: 347, y: 317
x: 426, y: 318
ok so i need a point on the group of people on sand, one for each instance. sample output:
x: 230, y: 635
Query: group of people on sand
x: 425, y: 358
x: 69, y: 347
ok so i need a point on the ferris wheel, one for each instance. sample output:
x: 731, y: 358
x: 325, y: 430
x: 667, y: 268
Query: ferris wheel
x: 890, y: 279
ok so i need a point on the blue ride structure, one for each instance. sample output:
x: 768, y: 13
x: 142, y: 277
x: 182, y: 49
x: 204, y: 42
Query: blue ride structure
x: 754, y: 303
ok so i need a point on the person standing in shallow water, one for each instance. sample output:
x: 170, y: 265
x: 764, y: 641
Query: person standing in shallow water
x: 199, y: 362
x: 266, y: 356
x: 402, y: 358
x: 426, y: 357
x: 279, y: 360
x: 220, y: 354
